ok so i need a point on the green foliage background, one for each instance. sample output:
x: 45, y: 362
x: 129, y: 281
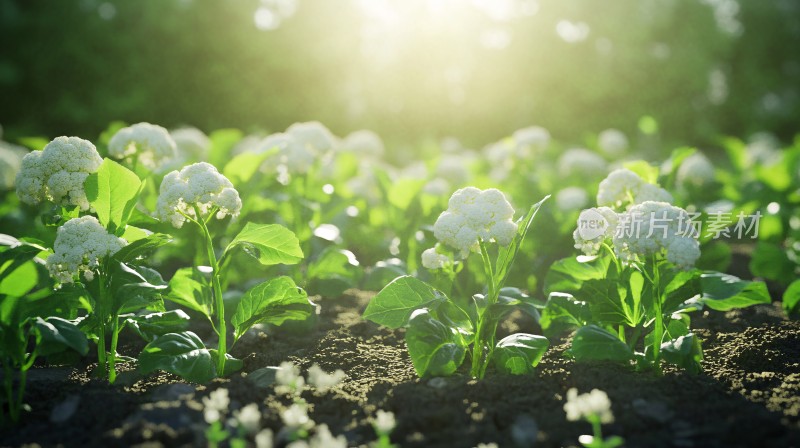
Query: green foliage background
x: 66, y: 70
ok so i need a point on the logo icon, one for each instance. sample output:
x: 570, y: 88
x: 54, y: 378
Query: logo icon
x: 591, y: 224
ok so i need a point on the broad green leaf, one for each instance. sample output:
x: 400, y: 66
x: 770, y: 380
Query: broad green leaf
x: 684, y: 351
x: 263, y: 377
x: 16, y: 280
x: 723, y: 292
x: 222, y: 141
x: 383, y: 273
x: 568, y: 274
x: 435, y: 349
x: 519, y: 354
x: 771, y: 262
x: 151, y: 325
x: 791, y: 300
x: 715, y: 256
x: 606, y: 302
x: 269, y: 243
x: 507, y: 255
x: 232, y: 365
x: 186, y: 288
x: 113, y: 191
x: 647, y: 172
x: 136, y: 287
x: 133, y: 233
x: 592, y: 343
x: 332, y: 272
x: 141, y: 247
x: 241, y: 168
x: 272, y: 302
x: 393, y: 305
x: 182, y: 354
x: 59, y: 333
x: 679, y: 286
x: 562, y: 312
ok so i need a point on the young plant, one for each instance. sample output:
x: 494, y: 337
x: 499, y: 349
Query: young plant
x: 439, y: 330
x: 595, y: 408
x: 636, y: 284
x: 197, y: 194
x: 383, y: 424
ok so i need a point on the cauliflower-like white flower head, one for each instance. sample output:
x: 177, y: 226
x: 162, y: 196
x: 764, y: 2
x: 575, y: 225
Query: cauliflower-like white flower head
x: 531, y: 138
x: 581, y: 162
x: 198, y: 184
x: 57, y: 172
x: 624, y: 187
x: 313, y: 135
x: 695, y: 171
x: 431, y: 259
x: 652, y: 227
x: 264, y: 438
x: 364, y: 143
x: 149, y: 144
x: 384, y: 422
x: 613, y: 143
x: 584, y: 406
x: 288, y: 379
x: 296, y: 416
x: 472, y: 215
x: 10, y: 163
x: 191, y: 143
x: 249, y: 418
x: 572, y: 198
x: 81, y: 244
x: 322, y: 380
x: 595, y: 226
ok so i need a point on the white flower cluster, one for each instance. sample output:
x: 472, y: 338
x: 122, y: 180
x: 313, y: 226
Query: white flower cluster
x: 364, y: 143
x: 57, y: 172
x: 644, y: 230
x: 623, y: 187
x: 248, y: 418
x: 431, y: 259
x: 149, y: 144
x: 472, y: 215
x: 322, y: 380
x: 696, y: 171
x: 215, y: 404
x: 81, y: 243
x: 613, y: 143
x: 198, y: 184
x: 10, y: 163
x: 322, y: 438
x: 581, y: 162
x: 288, y: 379
x: 585, y: 406
x: 384, y: 422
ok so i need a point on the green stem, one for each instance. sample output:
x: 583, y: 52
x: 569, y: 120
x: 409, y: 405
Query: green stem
x: 101, y: 317
x: 484, y: 335
x: 215, y: 281
x: 597, y: 429
x: 8, y: 380
x: 112, y: 355
x: 658, y: 332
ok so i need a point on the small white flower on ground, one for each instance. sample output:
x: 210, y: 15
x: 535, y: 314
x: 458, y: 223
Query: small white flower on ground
x: 215, y: 404
x: 288, y: 379
x: 57, y: 172
x: 81, y: 243
x: 198, y: 184
x: 613, y: 143
x: 431, y: 259
x: 147, y: 144
x: 384, y: 422
x: 594, y: 403
x: 323, y: 438
x: 249, y: 418
x: 322, y: 380
x: 295, y: 416
x: 264, y: 438
x: 473, y: 214
x: 581, y: 162
x: 572, y: 198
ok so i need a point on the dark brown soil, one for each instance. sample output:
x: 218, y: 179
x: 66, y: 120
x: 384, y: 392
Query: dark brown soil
x: 749, y: 394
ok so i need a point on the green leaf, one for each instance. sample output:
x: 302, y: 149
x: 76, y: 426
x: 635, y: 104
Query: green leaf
x: 232, y: 365
x: 263, y: 377
x: 269, y: 243
x: 771, y: 262
x: 113, y: 191
x: 723, y: 292
x: 393, y: 305
x: 34, y: 143
x: 519, y: 354
x: 791, y: 300
x: 563, y: 312
x: 607, y: 303
x: 16, y: 279
x: 647, y: 172
x: 507, y: 255
x: 272, y: 302
x: 592, y: 343
x: 684, y: 351
x: 59, y: 333
x: 568, y: 274
x: 435, y: 349
x: 136, y: 287
x: 222, y: 141
x: 151, y: 325
x: 141, y: 247
x: 241, y: 168
x: 332, y: 272
x: 383, y: 273
x: 186, y: 288
x: 182, y: 354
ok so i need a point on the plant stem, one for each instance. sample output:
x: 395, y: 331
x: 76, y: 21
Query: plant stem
x: 112, y: 355
x: 658, y: 332
x: 483, y: 345
x: 101, y: 317
x: 597, y: 429
x: 220, y: 305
